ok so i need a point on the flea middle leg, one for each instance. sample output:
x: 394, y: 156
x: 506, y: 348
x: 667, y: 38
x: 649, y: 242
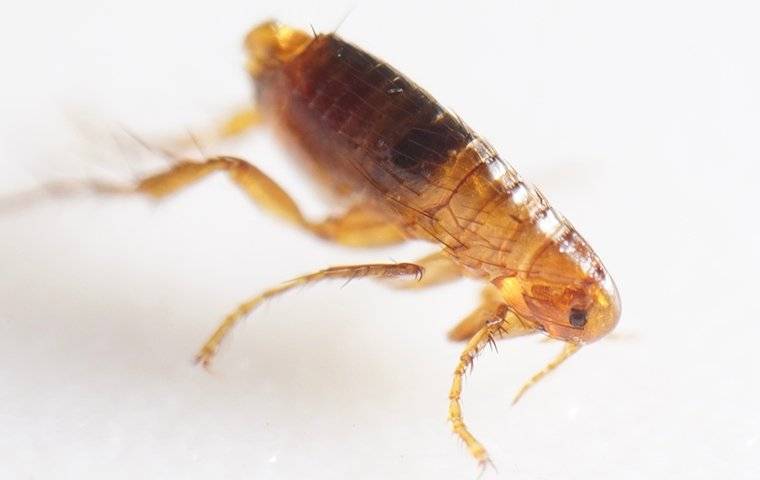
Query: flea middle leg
x: 349, y: 272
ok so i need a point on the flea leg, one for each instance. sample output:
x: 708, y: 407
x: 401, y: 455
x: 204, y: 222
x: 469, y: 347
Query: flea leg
x: 567, y: 351
x: 349, y: 272
x: 359, y: 226
x: 491, y: 303
x: 256, y: 184
x: 240, y: 122
x: 439, y: 269
x: 236, y: 124
x: 501, y: 324
x: 10, y: 203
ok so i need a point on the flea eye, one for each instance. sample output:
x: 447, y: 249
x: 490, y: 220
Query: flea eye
x: 577, y: 317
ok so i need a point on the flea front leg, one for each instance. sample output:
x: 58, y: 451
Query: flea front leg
x: 491, y: 303
x: 209, y: 349
x: 501, y: 324
x: 567, y: 351
x: 473, y: 323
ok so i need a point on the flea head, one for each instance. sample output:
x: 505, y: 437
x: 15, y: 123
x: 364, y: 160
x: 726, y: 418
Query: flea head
x: 565, y: 291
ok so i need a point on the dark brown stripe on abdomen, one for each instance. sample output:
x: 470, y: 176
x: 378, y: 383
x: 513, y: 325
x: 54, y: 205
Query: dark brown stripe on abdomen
x: 364, y: 121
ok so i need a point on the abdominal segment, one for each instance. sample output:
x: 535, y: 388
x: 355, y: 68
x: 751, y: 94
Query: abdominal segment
x: 368, y: 130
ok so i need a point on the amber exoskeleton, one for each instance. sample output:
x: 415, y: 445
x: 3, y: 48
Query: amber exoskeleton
x: 408, y: 169
x: 366, y: 129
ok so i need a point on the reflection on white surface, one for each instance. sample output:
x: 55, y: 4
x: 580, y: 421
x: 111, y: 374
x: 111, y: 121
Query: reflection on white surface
x: 623, y: 114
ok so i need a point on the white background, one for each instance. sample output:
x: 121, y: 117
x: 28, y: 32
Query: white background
x: 639, y: 120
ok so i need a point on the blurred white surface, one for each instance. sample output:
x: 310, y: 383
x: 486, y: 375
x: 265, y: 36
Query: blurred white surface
x: 639, y: 121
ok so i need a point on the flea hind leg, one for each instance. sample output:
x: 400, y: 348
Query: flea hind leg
x: 499, y: 323
x: 236, y: 124
x: 239, y: 122
x: 359, y: 226
x: 209, y: 349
